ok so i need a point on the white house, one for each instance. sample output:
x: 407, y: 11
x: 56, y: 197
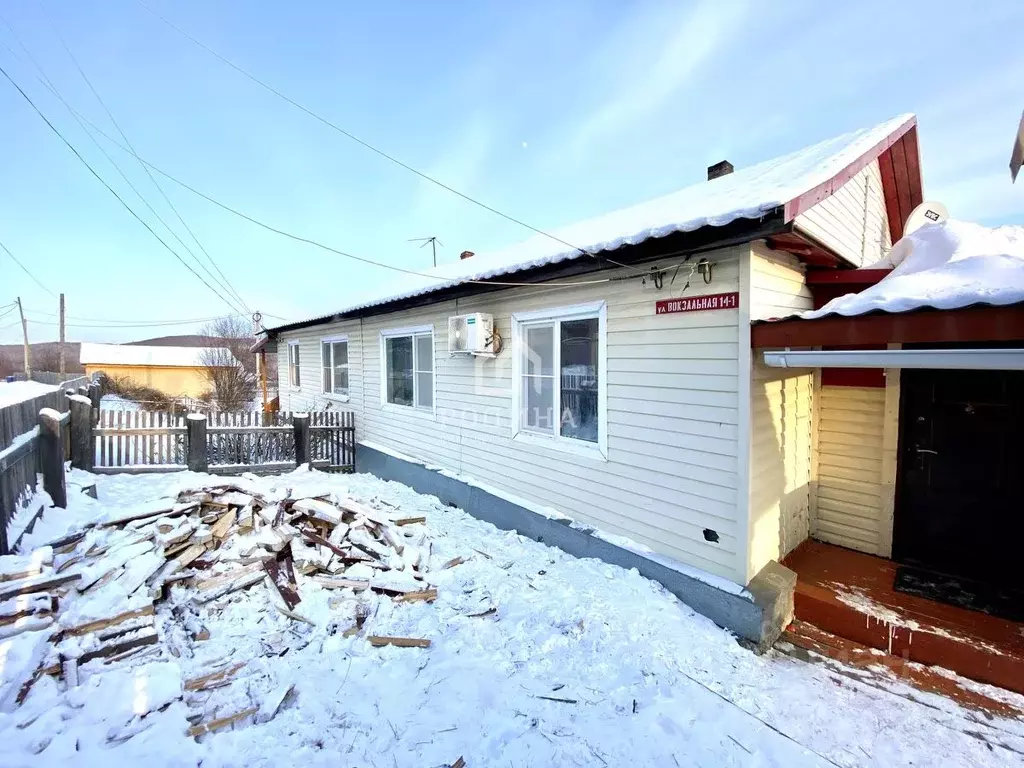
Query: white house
x: 618, y: 387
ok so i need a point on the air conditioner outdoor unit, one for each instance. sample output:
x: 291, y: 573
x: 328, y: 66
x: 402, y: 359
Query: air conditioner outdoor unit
x: 471, y: 334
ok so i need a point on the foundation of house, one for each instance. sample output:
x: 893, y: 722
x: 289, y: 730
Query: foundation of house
x: 758, y: 614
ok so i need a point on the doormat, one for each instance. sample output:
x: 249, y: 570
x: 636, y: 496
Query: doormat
x: 964, y: 593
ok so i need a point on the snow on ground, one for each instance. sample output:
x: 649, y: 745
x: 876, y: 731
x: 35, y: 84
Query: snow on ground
x: 634, y: 676
x: 12, y: 392
x: 948, y: 265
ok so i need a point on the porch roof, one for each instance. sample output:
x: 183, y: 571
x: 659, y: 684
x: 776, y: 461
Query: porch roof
x: 977, y: 324
x: 951, y: 282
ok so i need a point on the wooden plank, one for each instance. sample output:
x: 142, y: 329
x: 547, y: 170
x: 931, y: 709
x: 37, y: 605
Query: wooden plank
x: 378, y: 641
x: 282, y: 576
x: 44, y: 582
x: 409, y: 520
x: 336, y: 582
x: 103, y: 441
x: 223, y: 525
x: 221, y: 722
x: 110, y: 649
x: 120, y: 439
x: 425, y: 595
x: 204, y: 681
x: 98, y: 624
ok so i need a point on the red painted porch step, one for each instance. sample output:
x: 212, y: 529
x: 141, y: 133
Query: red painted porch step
x: 911, y: 640
x: 850, y: 594
x: 867, y: 661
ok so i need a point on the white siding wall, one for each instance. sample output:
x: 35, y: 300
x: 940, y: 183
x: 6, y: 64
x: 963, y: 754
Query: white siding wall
x: 781, y: 413
x: 672, y: 414
x: 852, y: 221
x: 857, y: 466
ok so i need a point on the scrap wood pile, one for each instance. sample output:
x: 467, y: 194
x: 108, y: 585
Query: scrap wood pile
x: 94, y: 595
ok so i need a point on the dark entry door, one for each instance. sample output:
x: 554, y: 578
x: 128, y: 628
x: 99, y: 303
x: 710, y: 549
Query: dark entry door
x: 960, y: 509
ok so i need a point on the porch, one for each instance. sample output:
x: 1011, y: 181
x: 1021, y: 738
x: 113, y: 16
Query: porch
x: 850, y: 598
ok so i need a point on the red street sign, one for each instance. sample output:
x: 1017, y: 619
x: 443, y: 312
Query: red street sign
x: 698, y: 303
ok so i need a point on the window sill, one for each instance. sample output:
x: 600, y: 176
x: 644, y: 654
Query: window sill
x: 562, y: 444
x: 409, y: 410
x: 335, y: 398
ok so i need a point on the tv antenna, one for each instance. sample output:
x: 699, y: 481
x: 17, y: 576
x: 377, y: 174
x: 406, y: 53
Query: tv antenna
x: 434, y: 242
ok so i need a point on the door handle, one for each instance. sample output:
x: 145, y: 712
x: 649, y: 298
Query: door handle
x: 926, y: 450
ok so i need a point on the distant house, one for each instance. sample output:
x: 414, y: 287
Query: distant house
x: 618, y: 386
x: 175, y: 371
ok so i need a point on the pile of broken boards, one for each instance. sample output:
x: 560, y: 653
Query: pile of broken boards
x: 92, y: 595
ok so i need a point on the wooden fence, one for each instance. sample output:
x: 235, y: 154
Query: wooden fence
x: 153, y: 441
x: 19, y: 454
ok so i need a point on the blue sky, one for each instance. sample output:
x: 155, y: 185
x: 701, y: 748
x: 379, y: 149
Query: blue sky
x: 551, y: 112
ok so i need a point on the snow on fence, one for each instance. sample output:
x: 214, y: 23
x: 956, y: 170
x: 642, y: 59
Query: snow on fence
x: 148, y: 441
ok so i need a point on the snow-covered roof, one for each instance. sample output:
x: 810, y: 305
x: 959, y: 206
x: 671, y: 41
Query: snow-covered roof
x: 747, y: 193
x: 950, y: 265
x: 130, y: 354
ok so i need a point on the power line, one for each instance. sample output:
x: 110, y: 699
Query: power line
x: 25, y: 269
x: 226, y: 283
x: 310, y: 241
x: 112, y: 190
x: 142, y: 321
x: 358, y: 140
x: 53, y: 89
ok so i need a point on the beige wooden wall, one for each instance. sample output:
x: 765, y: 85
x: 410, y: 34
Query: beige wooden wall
x: 856, y: 466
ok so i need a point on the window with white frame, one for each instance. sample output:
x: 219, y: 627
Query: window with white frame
x: 562, y: 371
x: 293, y: 363
x: 334, y: 362
x: 408, y: 365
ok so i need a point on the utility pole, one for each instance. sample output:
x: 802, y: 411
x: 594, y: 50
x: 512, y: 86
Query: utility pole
x: 63, y: 361
x: 24, y: 331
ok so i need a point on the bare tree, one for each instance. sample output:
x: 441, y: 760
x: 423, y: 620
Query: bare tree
x: 228, y: 365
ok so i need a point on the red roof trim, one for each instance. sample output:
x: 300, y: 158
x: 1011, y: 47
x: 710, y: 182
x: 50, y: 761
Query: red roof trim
x: 865, y: 277
x: 900, y: 167
x: 924, y: 326
x: 826, y: 189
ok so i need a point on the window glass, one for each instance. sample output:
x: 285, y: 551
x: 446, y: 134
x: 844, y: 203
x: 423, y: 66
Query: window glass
x: 339, y: 358
x: 424, y: 353
x: 540, y: 351
x: 399, y: 370
x: 325, y: 353
x: 578, y: 378
x: 293, y: 364
x: 538, y: 399
x: 538, y: 379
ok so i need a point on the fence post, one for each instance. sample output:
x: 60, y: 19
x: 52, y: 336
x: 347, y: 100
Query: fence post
x: 81, y: 432
x: 196, y: 450
x: 95, y: 396
x: 300, y: 423
x: 51, y: 455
